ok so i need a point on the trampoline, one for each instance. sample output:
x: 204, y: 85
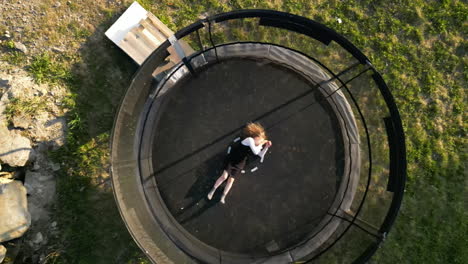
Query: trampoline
x: 334, y: 176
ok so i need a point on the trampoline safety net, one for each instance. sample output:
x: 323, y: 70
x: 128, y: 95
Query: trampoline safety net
x: 328, y: 190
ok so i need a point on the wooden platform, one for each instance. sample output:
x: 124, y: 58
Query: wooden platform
x: 138, y: 33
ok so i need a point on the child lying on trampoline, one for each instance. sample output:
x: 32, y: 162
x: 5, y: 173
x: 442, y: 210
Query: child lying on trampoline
x: 254, y: 141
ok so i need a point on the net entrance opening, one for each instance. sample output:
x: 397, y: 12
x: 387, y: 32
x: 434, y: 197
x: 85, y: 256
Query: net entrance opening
x: 282, y: 202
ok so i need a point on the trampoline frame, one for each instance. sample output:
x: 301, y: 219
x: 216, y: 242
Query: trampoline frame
x: 397, y: 174
x: 329, y: 222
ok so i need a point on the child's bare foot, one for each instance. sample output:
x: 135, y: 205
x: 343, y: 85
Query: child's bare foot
x: 210, y: 194
x: 222, y: 199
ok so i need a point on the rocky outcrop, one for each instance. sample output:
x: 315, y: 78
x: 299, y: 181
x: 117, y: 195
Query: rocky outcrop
x: 2, y: 253
x: 15, y: 218
x: 5, y: 177
x: 26, y: 138
x: 20, y: 46
x: 40, y: 187
x: 15, y: 150
x: 44, y: 127
x: 37, y: 241
x: 47, y: 124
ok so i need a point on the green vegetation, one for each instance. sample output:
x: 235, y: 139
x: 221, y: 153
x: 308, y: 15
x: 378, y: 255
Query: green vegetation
x: 14, y: 57
x: 9, y: 44
x: 91, y: 228
x: 73, y: 28
x: 419, y: 47
x: 9, y: 54
x: 25, y: 107
x: 45, y: 69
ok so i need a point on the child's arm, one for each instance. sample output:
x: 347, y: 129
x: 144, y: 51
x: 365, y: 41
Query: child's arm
x: 264, y: 150
x: 262, y: 153
x: 251, y: 143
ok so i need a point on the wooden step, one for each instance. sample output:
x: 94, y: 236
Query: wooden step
x: 147, y: 24
x: 139, y: 33
x: 151, y: 37
x: 135, y: 54
x: 136, y: 46
x: 139, y: 43
x: 160, y: 25
x: 146, y: 37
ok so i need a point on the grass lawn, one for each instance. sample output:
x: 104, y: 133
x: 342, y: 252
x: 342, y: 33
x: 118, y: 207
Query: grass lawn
x: 418, y: 46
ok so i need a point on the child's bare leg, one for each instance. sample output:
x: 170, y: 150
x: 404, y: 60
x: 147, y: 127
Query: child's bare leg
x: 219, y: 181
x: 227, y: 189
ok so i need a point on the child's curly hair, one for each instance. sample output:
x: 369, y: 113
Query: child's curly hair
x: 254, y: 130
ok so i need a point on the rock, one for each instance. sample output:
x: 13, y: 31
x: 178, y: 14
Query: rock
x: 48, y: 124
x: 38, y: 238
x: 2, y: 253
x: 4, y: 175
x: 41, y: 162
x: 5, y: 180
x: 58, y: 50
x: 50, y: 129
x: 36, y: 182
x: 38, y: 212
x: 21, y: 122
x: 20, y: 86
x: 14, y: 216
x: 36, y: 242
x: 41, y: 189
x: 36, y: 166
x: 20, y: 46
x: 54, y: 166
x: 7, y: 33
x: 15, y: 150
x: 4, y: 84
x: 57, y: 4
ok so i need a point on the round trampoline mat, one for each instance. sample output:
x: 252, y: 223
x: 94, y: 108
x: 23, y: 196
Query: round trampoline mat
x: 274, y: 207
